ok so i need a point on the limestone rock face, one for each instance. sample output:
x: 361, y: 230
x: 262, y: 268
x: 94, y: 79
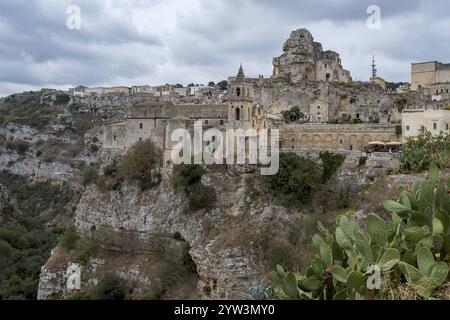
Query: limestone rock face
x: 304, y: 59
x: 226, y: 244
x: 301, y: 42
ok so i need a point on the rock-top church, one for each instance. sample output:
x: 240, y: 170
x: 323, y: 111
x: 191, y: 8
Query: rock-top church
x: 303, y: 61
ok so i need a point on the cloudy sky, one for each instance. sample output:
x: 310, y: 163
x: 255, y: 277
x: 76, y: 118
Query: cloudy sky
x: 182, y: 41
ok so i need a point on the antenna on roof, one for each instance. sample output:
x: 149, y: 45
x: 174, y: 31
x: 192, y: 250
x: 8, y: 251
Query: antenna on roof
x: 374, y: 67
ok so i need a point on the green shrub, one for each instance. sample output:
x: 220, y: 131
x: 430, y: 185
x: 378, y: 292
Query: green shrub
x: 344, y: 198
x: 185, y: 176
x: 89, y: 250
x: 20, y: 147
x: 62, y: 99
x: 330, y: 163
x: 89, y: 175
x: 110, y: 170
x: 110, y: 288
x: 201, y: 197
x: 93, y: 148
x: 293, y: 115
x: 80, y: 296
x: 282, y: 253
x: 362, y: 161
x: 5, y: 249
x: 141, y: 164
x: 68, y: 239
x: 296, y: 179
x: 398, y: 130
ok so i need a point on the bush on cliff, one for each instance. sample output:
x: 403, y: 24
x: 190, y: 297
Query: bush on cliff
x: 296, y: 179
x: 89, y: 175
x: 330, y: 163
x: 140, y: 164
x: 187, y: 178
x: 110, y: 288
x: 68, y: 239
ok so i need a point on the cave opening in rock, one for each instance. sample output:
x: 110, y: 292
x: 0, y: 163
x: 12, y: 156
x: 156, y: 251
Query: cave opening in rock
x: 187, y: 277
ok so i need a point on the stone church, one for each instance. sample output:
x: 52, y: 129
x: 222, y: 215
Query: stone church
x: 302, y: 65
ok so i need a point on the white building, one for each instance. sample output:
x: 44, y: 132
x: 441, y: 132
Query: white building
x: 193, y: 91
x: 419, y: 121
x: 181, y: 91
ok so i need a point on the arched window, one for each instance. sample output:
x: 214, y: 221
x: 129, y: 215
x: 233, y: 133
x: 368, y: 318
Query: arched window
x: 238, y: 92
x: 238, y: 114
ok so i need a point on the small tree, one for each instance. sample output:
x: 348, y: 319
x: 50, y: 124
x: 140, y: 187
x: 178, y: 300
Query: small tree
x: 188, y: 179
x: 89, y: 175
x: 141, y: 164
x: 223, y: 85
x: 110, y: 288
x: 296, y: 179
x: 62, y: 99
x: 330, y: 163
x: 68, y: 239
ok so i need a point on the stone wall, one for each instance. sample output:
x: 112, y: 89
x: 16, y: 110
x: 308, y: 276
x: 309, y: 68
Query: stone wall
x: 335, y: 137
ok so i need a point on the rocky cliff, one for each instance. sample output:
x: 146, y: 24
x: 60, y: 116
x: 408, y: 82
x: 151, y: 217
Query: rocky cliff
x: 226, y: 244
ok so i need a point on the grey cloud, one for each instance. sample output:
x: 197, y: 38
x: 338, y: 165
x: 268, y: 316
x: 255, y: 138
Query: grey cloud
x: 159, y: 41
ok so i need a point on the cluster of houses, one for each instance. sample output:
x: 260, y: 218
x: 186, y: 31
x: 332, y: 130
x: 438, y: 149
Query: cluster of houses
x: 157, y: 91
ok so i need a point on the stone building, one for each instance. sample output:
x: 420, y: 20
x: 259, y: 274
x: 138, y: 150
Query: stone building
x: 430, y: 76
x: 304, y: 59
x: 156, y: 121
x: 117, y: 90
x: 304, y: 76
x: 143, y: 89
x: 419, y: 121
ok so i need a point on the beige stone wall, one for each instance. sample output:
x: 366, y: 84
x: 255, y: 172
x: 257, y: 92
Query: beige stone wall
x: 422, y: 74
x: 117, y: 90
x: 443, y: 73
x: 318, y: 112
x: 418, y: 121
x: 335, y: 137
x: 186, y: 111
x: 428, y: 74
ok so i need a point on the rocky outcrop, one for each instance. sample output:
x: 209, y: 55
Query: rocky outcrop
x: 304, y: 59
x: 227, y: 243
x: 36, y: 169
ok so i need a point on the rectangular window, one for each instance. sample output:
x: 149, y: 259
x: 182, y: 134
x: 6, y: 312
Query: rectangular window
x: 434, y: 126
x: 206, y: 122
x: 407, y: 128
x: 141, y: 126
x: 221, y: 122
